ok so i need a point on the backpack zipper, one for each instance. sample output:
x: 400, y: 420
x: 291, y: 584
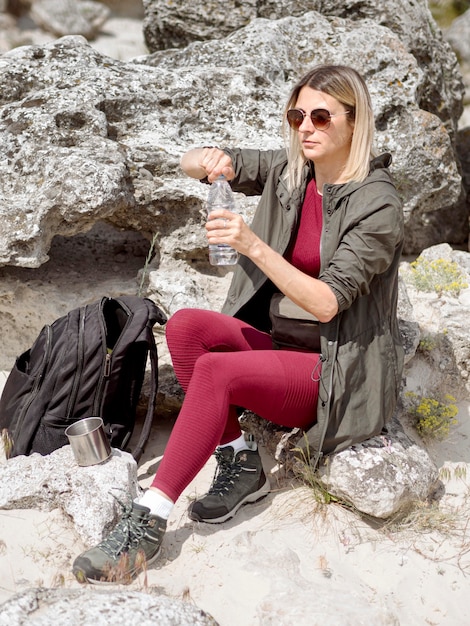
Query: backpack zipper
x: 80, y: 361
x: 108, y: 359
x: 37, y: 382
x: 101, y: 381
x: 107, y: 363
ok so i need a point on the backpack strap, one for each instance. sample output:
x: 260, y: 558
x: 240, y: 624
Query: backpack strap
x: 147, y: 425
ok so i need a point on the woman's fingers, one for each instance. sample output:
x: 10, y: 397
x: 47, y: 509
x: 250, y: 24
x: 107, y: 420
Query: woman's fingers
x: 216, y: 162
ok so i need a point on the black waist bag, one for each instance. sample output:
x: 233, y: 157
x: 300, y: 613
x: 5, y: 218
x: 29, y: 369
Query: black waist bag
x: 293, y: 328
x: 90, y: 362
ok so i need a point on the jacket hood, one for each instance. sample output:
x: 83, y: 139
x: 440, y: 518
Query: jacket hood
x: 378, y: 172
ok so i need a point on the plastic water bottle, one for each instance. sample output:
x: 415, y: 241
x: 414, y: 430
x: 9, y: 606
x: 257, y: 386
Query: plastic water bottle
x: 221, y: 197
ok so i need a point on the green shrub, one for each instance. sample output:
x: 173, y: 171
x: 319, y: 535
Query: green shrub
x: 439, y: 275
x: 432, y: 418
x: 427, y: 344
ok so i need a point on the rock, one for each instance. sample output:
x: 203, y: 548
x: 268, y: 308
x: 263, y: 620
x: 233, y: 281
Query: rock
x: 182, y: 291
x: 383, y: 476
x: 49, y: 607
x: 84, y: 494
x: 458, y: 36
x: 463, y: 150
x: 442, y: 362
x: 408, y: 324
x: 69, y: 17
x: 115, y: 131
x: 177, y: 24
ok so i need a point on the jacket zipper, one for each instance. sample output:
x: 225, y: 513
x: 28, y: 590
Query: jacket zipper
x: 319, y: 453
x: 37, y: 382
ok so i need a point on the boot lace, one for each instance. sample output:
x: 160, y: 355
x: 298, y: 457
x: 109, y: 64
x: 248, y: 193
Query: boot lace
x: 225, y: 474
x: 126, y: 534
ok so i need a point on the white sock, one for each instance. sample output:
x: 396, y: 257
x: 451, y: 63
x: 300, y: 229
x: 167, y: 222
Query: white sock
x: 237, y: 444
x: 157, y: 504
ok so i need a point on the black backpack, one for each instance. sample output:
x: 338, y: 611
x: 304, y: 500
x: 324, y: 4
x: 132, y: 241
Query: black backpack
x: 90, y: 362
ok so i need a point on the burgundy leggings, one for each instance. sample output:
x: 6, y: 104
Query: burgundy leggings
x: 222, y: 363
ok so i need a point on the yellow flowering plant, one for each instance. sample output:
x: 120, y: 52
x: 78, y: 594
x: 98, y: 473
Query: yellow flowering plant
x: 432, y: 418
x: 439, y: 275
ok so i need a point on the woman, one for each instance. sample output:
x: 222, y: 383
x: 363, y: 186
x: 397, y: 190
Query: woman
x: 327, y: 234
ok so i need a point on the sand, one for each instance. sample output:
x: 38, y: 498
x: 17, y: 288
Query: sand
x: 286, y: 559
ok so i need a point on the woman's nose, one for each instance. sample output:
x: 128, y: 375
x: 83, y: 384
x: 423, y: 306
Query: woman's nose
x: 307, y: 124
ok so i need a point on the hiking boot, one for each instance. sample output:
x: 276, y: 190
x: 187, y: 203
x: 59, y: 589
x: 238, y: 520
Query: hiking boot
x: 238, y: 479
x: 134, y: 544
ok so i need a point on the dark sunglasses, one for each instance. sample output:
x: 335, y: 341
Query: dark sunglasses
x: 321, y: 118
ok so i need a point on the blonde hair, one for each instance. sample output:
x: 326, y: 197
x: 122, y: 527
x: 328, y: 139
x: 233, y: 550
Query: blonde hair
x: 348, y: 87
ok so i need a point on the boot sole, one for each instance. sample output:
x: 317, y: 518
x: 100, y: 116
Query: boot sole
x: 250, y: 499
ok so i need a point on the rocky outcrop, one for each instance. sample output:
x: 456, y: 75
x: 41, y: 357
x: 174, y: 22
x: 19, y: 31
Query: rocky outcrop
x: 441, y: 362
x: 69, y: 17
x: 177, y: 24
x: 49, y: 607
x: 458, y: 36
x: 86, y: 138
x: 83, y: 494
x: 382, y: 477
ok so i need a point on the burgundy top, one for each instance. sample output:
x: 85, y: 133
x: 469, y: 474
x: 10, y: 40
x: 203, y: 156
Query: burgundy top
x: 304, y: 252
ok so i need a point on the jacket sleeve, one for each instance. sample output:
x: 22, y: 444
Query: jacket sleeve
x: 252, y: 168
x: 367, y: 244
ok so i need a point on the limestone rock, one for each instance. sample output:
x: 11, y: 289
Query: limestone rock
x: 382, y: 476
x: 84, y: 494
x: 408, y: 324
x: 49, y: 607
x: 86, y: 138
x: 177, y: 24
x: 442, y: 362
x: 458, y: 36
x: 70, y: 17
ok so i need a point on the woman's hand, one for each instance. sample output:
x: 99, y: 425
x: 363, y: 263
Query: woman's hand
x: 223, y: 226
x: 311, y: 294
x: 210, y: 162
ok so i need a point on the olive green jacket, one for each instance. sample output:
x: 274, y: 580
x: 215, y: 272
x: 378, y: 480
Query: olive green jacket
x: 360, y: 251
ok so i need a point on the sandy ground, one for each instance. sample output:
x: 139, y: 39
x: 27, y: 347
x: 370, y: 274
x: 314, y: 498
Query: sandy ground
x: 286, y: 560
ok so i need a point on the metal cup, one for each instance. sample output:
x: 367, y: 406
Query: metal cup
x: 89, y: 442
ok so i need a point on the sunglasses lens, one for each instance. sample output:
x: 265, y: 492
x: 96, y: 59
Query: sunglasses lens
x: 320, y: 119
x: 295, y: 117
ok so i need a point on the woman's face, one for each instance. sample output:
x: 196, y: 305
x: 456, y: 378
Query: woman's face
x: 327, y: 146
